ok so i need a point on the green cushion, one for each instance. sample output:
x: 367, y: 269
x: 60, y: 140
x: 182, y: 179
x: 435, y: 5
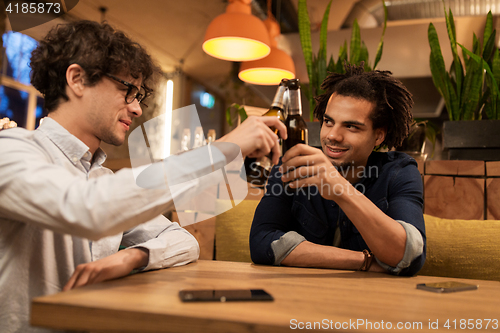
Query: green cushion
x: 462, y: 248
x: 232, y: 230
x: 455, y: 248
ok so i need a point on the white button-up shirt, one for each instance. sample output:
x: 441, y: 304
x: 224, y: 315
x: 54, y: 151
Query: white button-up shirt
x: 59, y: 207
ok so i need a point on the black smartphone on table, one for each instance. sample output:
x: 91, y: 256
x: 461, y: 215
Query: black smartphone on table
x: 221, y: 295
x: 446, y: 287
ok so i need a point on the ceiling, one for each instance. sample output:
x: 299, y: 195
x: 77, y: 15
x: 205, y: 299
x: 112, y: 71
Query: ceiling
x: 173, y: 31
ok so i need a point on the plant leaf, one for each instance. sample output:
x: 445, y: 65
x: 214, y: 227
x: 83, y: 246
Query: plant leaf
x: 355, y: 43
x: 472, y: 103
x: 363, y: 56
x: 471, y: 68
x: 305, y: 42
x: 306, y: 92
x: 485, y: 66
x: 228, y: 115
x: 488, y: 30
x: 320, y: 74
x: 324, y: 33
x: 489, y: 47
x: 305, y: 36
x: 495, y: 65
x: 331, y: 65
x: 321, y: 60
x: 457, y: 63
x: 438, y: 70
x: 475, y: 45
x: 381, y: 43
x: 342, y: 58
x: 243, y: 113
x: 239, y: 109
x: 488, y: 109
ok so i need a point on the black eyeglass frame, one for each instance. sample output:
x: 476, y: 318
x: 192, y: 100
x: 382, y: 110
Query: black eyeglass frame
x: 140, y: 97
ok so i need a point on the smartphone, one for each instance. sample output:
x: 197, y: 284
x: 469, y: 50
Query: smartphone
x: 446, y: 287
x: 214, y: 295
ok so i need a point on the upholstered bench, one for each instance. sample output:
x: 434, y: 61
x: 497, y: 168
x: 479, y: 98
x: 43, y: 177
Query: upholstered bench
x: 455, y: 248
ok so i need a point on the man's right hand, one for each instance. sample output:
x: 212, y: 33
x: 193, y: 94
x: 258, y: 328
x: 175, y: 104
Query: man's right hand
x: 255, y: 138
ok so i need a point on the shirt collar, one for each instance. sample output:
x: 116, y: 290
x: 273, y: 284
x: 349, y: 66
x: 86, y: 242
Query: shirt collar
x: 70, y: 145
x: 372, y: 169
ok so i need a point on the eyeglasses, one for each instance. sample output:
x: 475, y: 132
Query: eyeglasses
x: 132, y: 93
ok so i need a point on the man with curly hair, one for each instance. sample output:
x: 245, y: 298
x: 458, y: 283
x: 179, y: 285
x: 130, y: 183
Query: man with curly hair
x: 347, y: 206
x: 63, y: 215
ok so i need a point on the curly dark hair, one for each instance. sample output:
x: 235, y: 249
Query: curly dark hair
x: 97, y: 47
x: 393, y: 102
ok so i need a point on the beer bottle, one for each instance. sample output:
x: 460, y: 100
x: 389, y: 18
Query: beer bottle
x: 258, y: 169
x: 295, y: 125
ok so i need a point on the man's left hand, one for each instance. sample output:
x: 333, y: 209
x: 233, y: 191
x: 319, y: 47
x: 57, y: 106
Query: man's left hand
x: 304, y: 165
x: 111, y: 267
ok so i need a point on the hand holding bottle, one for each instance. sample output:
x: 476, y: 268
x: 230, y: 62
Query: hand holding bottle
x: 257, y: 170
x: 304, y: 166
x: 255, y: 137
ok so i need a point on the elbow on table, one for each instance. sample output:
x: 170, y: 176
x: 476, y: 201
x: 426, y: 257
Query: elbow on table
x: 194, y: 250
x: 261, y: 253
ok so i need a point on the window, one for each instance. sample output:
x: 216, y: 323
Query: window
x: 19, y: 101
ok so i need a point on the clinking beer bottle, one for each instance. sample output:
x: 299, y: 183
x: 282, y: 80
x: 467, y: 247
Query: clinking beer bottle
x: 295, y: 125
x: 258, y: 169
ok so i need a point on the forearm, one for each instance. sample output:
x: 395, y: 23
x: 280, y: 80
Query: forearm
x: 308, y: 254
x: 136, y: 257
x: 385, y: 237
x: 111, y: 267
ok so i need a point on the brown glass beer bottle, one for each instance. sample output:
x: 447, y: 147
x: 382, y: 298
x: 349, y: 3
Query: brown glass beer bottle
x: 296, y: 127
x: 258, y: 169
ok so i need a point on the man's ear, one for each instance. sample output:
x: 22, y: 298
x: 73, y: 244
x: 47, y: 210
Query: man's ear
x: 380, y: 134
x: 75, y: 76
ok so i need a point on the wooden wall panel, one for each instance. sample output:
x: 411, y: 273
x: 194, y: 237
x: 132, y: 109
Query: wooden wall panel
x: 454, y: 168
x: 493, y: 198
x: 454, y: 197
x: 493, y: 168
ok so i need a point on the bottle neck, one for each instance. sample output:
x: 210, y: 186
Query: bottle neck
x: 279, y: 98
x: 295, y: 104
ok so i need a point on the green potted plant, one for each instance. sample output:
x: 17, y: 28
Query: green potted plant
x: 470, y: 89
x: 420, y: 131
x: 316, y: 64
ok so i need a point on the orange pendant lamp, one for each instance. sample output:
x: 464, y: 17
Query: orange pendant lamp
x: 237, y: 35
x: 271, y: 69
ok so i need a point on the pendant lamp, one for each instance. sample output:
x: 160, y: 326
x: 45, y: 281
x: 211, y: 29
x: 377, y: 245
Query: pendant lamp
x: 237, y: 35
x: 271, y: 69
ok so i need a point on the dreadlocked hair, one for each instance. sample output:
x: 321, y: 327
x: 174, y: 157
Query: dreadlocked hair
x: 393, y: 102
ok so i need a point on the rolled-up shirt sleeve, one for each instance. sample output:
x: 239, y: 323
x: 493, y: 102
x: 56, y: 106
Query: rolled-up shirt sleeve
x: 285, y: 244
x: 413, y: 249
x: 167, y: 244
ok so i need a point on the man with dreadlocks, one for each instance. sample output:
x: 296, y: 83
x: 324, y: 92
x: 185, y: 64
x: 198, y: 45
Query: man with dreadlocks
x: 347, y: 206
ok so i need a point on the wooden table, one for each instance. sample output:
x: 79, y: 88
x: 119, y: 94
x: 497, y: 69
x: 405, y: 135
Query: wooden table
x: 335, y: 300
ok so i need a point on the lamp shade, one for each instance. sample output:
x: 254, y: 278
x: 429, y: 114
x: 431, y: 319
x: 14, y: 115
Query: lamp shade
x: 272, y: 69
x: 269, y: 70
x: 237, y: 35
